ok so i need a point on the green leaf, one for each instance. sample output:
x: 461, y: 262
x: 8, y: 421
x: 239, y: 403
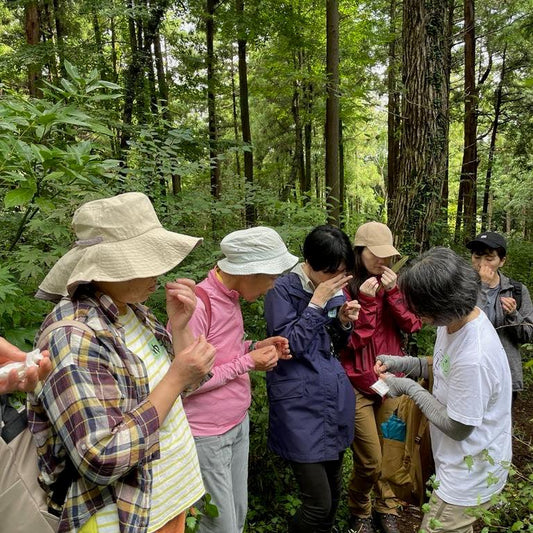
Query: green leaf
x: 469, y: 460
x: 18, y: 197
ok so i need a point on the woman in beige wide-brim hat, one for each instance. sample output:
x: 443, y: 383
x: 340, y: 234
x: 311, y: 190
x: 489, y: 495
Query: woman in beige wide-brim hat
x: 108, y: 422
x: 383, y: 317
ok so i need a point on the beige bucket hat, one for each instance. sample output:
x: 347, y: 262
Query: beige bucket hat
x: 118, y: 239
x: 377, y: 237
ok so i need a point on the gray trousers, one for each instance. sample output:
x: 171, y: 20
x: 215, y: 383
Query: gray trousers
x: 224, y: 464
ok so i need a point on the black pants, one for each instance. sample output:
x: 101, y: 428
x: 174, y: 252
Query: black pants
x: 320, y: 489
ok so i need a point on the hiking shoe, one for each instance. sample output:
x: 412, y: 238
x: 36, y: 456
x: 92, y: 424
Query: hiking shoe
x: 387, y: 523
x: 360, y: 525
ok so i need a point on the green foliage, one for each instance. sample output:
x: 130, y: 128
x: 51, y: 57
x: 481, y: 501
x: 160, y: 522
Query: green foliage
x: 52, y: 156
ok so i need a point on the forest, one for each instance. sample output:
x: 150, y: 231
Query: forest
x: 285, y: 113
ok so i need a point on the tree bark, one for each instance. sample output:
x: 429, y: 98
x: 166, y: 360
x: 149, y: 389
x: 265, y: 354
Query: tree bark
x: 333, y: 206
x: 211, y: 99
x: 393, y: 111
x: 466, y: 218
x: 485, y: 217
x: 32, y: 26
x: 422, y: 161
x: 245, y: 117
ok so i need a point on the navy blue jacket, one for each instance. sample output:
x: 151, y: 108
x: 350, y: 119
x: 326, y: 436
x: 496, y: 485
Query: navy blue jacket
x: 312, y: 403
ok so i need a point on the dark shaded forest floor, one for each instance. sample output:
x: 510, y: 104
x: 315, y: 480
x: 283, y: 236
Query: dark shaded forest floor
x: 522, y: 454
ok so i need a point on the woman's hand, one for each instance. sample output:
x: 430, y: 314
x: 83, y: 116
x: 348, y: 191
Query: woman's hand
x: 192, y: 363
x: 280, y: 343
x: 370, y: 287
x: 388, y: 278
x: 181, y: 302
x: 349, y: 312
x: 12, y: 383
x: 327, y: 289
x: 265, y: 358
x: 508, y: 304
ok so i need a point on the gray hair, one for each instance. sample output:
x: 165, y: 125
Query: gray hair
x: 441, y: 286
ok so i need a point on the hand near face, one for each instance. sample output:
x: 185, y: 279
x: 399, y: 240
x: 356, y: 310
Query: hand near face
x: 181, y: 302
x: 488, y: 275
x: 349, y: 312
x: 369, y: 287
x: 388, y: 278
x: 328, y: 288
x: 508, y: 304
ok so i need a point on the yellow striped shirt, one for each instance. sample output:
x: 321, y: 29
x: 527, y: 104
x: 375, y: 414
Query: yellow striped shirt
x: 177, y: 481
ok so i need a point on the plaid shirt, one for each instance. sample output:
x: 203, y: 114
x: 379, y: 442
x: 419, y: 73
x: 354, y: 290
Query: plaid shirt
x: 93, y: 407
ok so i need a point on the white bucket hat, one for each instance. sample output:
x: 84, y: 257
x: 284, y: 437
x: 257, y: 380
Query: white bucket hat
x: 118, y: 239
x: 258, y: 250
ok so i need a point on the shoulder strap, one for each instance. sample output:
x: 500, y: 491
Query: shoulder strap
x: 42, y: 341
x: 202, y: 294
x: 517, y: 292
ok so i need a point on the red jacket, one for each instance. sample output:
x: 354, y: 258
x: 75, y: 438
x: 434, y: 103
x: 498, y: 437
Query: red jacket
x: 377, y: 331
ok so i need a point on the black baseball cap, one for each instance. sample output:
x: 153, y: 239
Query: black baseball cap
x: 490, y: 239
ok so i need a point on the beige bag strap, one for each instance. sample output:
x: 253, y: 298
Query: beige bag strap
x: 42, y: 341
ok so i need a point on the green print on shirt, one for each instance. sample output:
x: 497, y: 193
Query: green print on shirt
x: 445, y: 364
x: 156, y: 348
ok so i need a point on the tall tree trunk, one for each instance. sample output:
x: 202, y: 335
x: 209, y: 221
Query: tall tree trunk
x: 60, y: 36
x: 31, y: 23
x: 485, y: 221
x: 466, y: 218
x: 393, y: 110
x: 299, y: 164
x: 102, y: 67
x: 211, y: 100
x: 161, y: 76
x: 235, y: 118
x: 114, y: 49
x: 308, y: 139
x: 341, y: 169
x: 245, y: 117
x: 422, y: 162
x: 333, y: 206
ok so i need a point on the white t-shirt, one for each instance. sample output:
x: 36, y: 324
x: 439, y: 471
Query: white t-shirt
x: 472, y: 379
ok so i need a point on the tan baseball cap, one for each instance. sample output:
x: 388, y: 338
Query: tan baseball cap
x: 377, y: 237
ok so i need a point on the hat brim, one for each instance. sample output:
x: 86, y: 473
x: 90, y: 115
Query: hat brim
x: 274, y: 266
x: 148, y: 255
x: 384, y: 250
x: 485, y: 243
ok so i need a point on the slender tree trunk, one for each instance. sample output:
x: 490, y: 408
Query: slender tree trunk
x: 341, y: 170
x: 422, y: 163
x: 393, y: 110
x: 32, y: 26
x: 99, y: 45
x: 211, y: 100
x: 60, y: 37
x: 299, y: 164
x: 485, y: 223
x: 467, y: 217
x: 308, y: 140
x: 161, y: 76
x: 235, y: 118
x: 245, y: 118
x: 113, y: 49
x: 333, y: 206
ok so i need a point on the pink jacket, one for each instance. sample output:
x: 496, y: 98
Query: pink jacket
x: 222, y: 402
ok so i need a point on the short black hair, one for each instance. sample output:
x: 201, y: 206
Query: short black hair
x: 326, y: 247
x: 440, y: 285
x: 483, y: 249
